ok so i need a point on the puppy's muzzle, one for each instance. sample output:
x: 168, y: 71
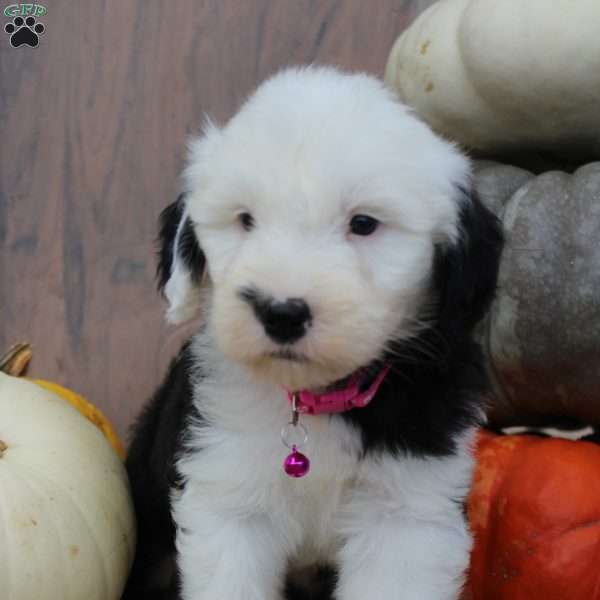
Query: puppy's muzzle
x: 284, y: 322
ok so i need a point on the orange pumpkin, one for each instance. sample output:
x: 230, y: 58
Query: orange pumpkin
x: 535, y: 513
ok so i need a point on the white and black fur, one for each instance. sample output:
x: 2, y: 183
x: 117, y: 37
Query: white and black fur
x: 267, y: 219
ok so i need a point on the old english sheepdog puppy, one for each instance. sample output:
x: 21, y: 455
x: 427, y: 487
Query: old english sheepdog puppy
x: 320, y: 423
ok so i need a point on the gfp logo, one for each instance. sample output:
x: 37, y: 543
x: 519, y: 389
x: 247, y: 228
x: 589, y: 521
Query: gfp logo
x: 24, y: 30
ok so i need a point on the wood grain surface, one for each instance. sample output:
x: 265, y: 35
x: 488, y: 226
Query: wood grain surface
x: 93, y: 125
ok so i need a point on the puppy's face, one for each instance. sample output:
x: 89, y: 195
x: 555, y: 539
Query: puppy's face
x: 311, y: 220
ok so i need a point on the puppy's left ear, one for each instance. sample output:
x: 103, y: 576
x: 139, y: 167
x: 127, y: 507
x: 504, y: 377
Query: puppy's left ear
x: 181, y: 263
x: 466, y: 270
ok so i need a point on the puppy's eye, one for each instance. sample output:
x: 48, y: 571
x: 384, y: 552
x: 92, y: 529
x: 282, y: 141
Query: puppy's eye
x: 246, y: 220
x: 363, y: 225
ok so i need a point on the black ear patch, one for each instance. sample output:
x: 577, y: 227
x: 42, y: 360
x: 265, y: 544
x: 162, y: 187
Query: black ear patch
x: 466, y: 272
x: 188, y: 249
x: 168, y: 223
x: 172, y: 232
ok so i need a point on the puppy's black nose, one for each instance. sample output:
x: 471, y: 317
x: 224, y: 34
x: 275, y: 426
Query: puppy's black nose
x: 284, y: 322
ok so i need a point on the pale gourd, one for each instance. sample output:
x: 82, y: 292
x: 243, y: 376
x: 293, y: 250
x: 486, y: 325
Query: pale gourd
x: 67, y: 528
x: 505, y: 76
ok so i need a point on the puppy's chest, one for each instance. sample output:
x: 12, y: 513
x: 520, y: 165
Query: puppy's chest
x: 244, y: 468
x: 318, y: 498
x: 253, y: 460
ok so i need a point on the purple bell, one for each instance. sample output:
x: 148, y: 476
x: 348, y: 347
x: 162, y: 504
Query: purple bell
x: 296, y: 464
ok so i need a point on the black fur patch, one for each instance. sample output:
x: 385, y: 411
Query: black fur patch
x: 429, y: 396
x: 465, y: 274
x: 157, y: 442
x: 437, y: 382
x: 317, y: 585
x: 168, y: 223
x: 190, y: 253
x: 188, y: 249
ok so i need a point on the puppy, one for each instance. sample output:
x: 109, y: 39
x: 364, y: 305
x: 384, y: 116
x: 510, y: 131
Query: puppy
x: 329, y: 241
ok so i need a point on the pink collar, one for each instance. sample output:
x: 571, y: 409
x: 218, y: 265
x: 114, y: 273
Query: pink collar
x: 338, y: 400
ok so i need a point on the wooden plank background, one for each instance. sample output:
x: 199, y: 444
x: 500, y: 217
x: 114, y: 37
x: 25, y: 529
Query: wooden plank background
x: 93, y: 124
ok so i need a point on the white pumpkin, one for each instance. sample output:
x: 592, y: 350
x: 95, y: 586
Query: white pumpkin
x: 505, y: 75
x: 67, y: 528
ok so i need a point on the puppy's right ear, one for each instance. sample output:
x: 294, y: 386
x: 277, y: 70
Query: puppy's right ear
x: 181, y: 263
x: 466, y: 271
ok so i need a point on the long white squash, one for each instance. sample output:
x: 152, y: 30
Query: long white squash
x: 505, y: 75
